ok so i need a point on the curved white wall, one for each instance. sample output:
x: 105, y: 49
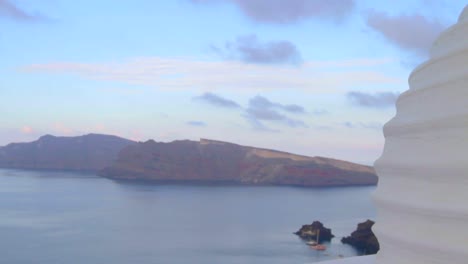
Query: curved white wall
x: 422, y: 196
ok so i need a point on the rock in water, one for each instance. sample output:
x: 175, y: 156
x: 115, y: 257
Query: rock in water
x: 309, y: 232
x: 363, y: 238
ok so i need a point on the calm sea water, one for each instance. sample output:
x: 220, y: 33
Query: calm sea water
x: 64, y: 217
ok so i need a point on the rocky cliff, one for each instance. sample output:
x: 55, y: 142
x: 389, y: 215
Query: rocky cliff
x: 363, y: 238
x: 83, y: 153
x: 217, y: 161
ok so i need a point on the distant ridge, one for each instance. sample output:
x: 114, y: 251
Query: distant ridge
x: 90, y: 152
x: 218, y: 161
x: 182, y: 161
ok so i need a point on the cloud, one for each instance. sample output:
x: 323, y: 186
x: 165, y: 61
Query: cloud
x: 27, y: 130
x: 368, y: 125
x: 249, y: 49
x: 377, y: 100
x: 320, y: 112
x: 9, y: 10
x: 196, y: 123
x: 265, y: 114
x: 185, y: 74
x: 261, y: 102
x: 216, y: 100
x: 257, y: 125
x: 414, y: 33
x: 261, y: 109
x: 290, y: 11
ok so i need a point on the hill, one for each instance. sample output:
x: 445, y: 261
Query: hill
x: 217, y: 161
x: 90, y: 152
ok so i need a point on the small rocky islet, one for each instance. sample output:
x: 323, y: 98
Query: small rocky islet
x: 363, y: 239
x: 314, y: 230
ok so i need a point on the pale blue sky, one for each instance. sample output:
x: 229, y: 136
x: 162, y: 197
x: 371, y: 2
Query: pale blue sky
x: 161, y: 69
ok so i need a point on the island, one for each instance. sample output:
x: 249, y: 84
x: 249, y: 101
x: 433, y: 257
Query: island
x: 222, y: 162
x: 182, y: 161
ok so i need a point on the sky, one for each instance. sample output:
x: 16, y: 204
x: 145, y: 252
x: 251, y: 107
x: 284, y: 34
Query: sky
x: 311, y: 77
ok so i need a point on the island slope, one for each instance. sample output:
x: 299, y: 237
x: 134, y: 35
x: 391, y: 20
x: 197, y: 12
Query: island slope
x: 217, y: 161
x: 90, y: 152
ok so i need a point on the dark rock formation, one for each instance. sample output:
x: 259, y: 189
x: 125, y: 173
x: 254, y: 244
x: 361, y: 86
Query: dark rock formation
x: 363, y: 238
x: 216, y: 161
x: 84, y: 153
x: 309, y: 232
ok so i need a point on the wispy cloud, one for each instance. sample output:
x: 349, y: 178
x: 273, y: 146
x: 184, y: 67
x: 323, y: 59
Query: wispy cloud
x: 261, y: 109
x: 170, y: 74
x: 366, y: 125
x: 216, y: 100
x: 414, y: 33
x: 290, y: 11
x: 376, y: 100
x: 258, y: 125
x: 260, y: 102
x: 249, y: 49
x: 9, y: 10
x: 27, y: 130
x: 196, y: 123
x: 320, y: 112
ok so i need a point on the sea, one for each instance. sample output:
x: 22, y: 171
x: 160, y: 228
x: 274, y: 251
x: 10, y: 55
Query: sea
x: 74, y: 218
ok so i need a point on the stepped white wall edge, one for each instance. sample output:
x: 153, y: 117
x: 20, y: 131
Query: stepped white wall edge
x: 422, y: 195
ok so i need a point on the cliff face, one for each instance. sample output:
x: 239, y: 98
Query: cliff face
x: 209, y: 160
x: 84, y: 153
